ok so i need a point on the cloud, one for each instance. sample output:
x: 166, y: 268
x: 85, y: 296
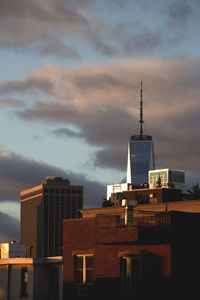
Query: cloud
x: 49, y: 27
x: 18, y: 173
x: 25, y: 24
x: 102, y: 102
x: 9, y: 228
x: 54, y: 46
x: 142, y: 42
x: 65, y: 132
x: 179, y: 13
x: 29, y: 85
x: 11, y: 102
x: 111, y: 157
x: 58, y: 28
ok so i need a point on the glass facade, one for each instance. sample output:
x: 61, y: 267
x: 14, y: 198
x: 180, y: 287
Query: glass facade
x: 168, y: 178
x: 140, y: 160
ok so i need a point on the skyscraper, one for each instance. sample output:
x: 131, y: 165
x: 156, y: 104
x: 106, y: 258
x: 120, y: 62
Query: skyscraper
x: 43, y: 208
x: 140, y: 154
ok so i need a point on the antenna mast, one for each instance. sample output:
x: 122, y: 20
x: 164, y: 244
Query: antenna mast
x: 141, y: 112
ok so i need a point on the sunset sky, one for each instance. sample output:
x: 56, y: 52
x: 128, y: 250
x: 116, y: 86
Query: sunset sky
x: 69, y: 92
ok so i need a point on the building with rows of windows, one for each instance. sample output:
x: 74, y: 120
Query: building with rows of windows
x: 43, y: 209
x: 167, y: 178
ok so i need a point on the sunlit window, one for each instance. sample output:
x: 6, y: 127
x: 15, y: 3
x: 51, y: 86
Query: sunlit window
x: 83, y: 269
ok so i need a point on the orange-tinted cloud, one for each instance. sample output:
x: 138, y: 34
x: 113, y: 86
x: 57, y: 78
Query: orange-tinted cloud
x: 102, y: 102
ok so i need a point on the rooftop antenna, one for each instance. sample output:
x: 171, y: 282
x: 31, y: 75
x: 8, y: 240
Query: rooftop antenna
x: 141, y: 112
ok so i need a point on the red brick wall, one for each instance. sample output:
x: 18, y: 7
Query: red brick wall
x: 82, y: 236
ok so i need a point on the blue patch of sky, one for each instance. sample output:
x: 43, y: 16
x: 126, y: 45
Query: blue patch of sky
x: 11, y: 208
x: 33, y: 140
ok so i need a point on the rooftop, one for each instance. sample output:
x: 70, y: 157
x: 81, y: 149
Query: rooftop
x: 141, y: 138
x: 27, y: 260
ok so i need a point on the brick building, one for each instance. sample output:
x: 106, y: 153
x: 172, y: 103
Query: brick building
x: 146, y: 195
x: 119, y: 253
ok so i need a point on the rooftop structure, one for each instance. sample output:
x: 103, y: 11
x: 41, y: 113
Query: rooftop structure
x: 117, y: 188
x: 12, y: 249
x: 31, y: 278
x: 167, y: 178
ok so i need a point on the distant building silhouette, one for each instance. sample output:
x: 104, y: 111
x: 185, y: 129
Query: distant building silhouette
x: 43, y: 208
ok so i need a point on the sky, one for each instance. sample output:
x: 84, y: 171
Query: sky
x: 70, y: 77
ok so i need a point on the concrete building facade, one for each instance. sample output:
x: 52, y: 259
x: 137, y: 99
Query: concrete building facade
x: 31, y: 279
x: 12, y: 249
x: 43, y: 208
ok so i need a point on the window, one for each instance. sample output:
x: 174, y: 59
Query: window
x: 130, y: 269
x: 24, y: 282
x: 83, y: 269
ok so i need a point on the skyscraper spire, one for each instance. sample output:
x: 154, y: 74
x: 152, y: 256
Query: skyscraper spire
x: 141, y: 112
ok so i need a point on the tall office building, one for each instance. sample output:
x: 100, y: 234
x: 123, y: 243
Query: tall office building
x: 140, y: 154
x: 43, y: 208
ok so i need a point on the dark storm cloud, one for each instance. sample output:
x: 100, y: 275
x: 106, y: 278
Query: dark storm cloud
x: 18, y: 173
x: 54, y: 46
x: 143, y: 42
x: 179, y: 13
x: 30, y: 85
x: 112, y: 157
x: 176, y: 141
x: 111, y: 128
x: 9, y: 228
x: 103, y: 47
x: 52, y: 112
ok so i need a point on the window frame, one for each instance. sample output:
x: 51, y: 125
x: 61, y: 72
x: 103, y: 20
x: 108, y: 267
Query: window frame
x: 129, y: 285
x: 24, y: 282
x: 83, y: 269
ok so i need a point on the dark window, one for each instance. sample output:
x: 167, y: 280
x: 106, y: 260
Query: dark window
x: 79, y: 204
x: 24, y: 282
x: 130, y: 269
